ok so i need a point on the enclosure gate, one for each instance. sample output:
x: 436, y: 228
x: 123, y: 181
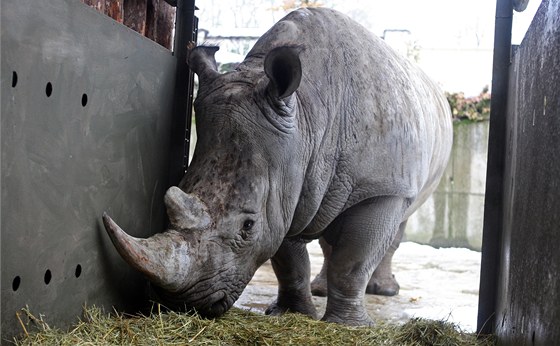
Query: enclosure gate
x: 90, y: 112
x: 520, y: 279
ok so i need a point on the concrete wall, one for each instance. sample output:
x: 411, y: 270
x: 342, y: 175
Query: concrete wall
x: 528, y: 298
x: 453, y: 215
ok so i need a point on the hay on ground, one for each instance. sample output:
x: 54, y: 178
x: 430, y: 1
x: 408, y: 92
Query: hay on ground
x: 238, y: 327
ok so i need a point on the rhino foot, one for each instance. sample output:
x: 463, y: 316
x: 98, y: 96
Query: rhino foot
x: 306, y: 308
x: 356, y: 318
x: 275, y: 310
x: 319, y: 286
x: 383, y: 286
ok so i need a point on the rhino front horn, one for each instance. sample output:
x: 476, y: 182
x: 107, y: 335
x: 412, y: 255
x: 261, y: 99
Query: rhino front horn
x: 186, y: 211
x: 163, y: 258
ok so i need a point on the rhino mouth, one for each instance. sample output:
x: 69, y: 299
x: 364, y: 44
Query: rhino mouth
x: 209, y: 306
x: 215, y: 305
x: 213, y: 298
x: 219, y: 306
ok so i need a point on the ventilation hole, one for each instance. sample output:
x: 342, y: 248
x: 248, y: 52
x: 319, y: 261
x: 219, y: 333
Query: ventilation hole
x: 48, y: 89
x: 14, y: 81
x: 78, y: 271
x: 84, y: 100
x: 48, y: 276
x: 16, y: 283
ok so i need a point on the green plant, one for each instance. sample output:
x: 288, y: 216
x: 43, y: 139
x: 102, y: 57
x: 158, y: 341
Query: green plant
x: 475, y: 108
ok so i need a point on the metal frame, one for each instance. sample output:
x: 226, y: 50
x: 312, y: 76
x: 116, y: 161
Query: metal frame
x: 493, y: 202
x: 186, y: 32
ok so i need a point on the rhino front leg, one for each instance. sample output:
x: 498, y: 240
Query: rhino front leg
x: 359, y: 238
x: 292, y: 269
x: 383, y: 280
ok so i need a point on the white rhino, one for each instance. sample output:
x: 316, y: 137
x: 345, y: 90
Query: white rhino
x: 322, y: 131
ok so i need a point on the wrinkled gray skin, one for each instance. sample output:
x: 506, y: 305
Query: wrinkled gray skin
x: 382, y: 281
x: 322, y: 131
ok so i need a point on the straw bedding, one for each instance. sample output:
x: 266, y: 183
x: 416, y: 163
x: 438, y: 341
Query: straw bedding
x: 237, y: 327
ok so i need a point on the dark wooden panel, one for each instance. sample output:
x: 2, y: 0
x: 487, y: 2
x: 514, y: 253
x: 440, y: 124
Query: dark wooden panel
x: 528, y: 299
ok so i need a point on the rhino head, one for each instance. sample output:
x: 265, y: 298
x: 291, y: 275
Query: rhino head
x: 234, y: 206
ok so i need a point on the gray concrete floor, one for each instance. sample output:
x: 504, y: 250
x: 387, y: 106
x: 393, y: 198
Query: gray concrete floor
x: 435, y: 283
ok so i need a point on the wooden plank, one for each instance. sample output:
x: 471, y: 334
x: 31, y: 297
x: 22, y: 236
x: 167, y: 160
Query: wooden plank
x: 151, y: 18
x: 135, y: 15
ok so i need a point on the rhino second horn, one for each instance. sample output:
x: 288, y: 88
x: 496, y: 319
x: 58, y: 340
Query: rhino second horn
x: 163, y: 258
x: 186, y: 211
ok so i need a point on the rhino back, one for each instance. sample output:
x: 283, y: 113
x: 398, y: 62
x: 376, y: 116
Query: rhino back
x: 371, y: 123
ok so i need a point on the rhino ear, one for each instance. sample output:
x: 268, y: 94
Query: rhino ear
x: 202, y: 61
x: 283, y: 67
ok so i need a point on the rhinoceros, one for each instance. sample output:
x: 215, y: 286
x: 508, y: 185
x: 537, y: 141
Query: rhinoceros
x: 322, y: 131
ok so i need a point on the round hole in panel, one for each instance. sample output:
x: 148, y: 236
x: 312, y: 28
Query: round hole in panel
x: 14, y: 79
x: 48, y: 89
x: 15, y: 283
x: 78, y: 271
x: 48, y: 277
x: 84, y: 100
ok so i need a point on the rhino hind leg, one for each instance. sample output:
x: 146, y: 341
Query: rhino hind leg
x: 319, y: 284
x: 359, y: 238
x: 383, y: 280
x: 292, y: 269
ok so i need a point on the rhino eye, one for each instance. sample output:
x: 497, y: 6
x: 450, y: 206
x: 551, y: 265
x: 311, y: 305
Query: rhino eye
x: 248, y: 224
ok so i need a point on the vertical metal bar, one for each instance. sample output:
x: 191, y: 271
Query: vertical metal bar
x: 190, y: 99
x: 185, y: 32
x: 493, y: 209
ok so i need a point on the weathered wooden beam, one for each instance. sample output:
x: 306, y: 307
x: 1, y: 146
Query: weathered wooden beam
x: 159, y: 22
x: 135, y: 12
x: 154, y: 19
x: 114, y: 9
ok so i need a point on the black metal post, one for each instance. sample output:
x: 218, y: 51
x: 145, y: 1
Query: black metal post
x: 185, y: 32
x: 493, y: 207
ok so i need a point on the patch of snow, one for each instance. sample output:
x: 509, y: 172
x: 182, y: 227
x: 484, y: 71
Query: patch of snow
x: 439, y: 284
